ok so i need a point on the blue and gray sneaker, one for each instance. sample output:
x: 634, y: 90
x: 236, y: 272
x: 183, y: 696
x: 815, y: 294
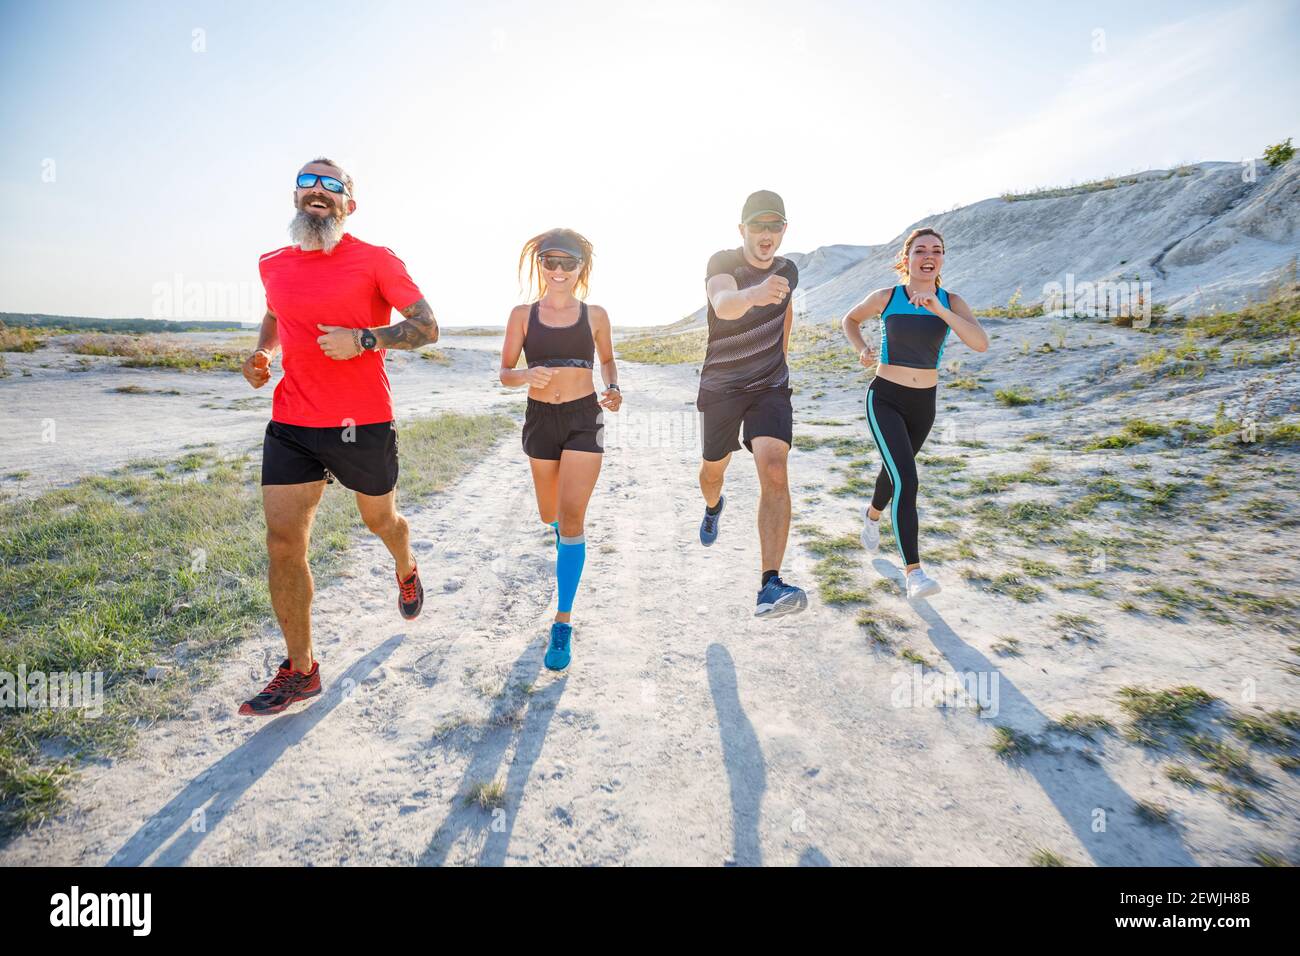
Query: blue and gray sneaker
x: 557, y: 655
x: 709, y: 526
x: 778, y: 599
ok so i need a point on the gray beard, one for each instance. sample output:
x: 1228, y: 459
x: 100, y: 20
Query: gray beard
x: 313, y: 233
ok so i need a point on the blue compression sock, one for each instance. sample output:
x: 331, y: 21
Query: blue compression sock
x: 571, y: 555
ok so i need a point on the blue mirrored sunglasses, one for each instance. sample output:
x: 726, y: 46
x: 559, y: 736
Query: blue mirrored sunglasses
x: 308, y: 180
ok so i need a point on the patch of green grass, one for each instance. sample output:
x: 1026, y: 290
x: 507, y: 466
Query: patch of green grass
x: 994, y: 484
x: 1007, y: 646
x: 1261, y: 730
x: 670, y: 349
x: 1039, y: 569
x: 1220, y: 757
x: 161, y: 351
x: 1025, y: 519
x: 1079, y: 189
x: 1238, y: 798
x: 1012, y: 397
x: 839, y: 581
x: 914, y: 657
x: 20, y: 339
x: 950, y: 462
x: 858, y: 486
x: 842, y: 445
x: 822, y: 546
x: 1074, y: 626
x: 1160, y: 495
x: 487, y: 795
x: 1042, y: 857
x: 1183, y: 776
x: 111, y: 574
x: 1134, y: 432
x: 1082, y: 725
x: 875, y: 621
x: 1009, y: 583
x: 1011, y: 744
x: 1277, y: 318
x: 1158, y: 711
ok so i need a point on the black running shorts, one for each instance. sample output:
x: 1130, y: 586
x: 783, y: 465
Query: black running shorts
x: 765, y: 412
x: 549, y: 428
x: 362, y: 457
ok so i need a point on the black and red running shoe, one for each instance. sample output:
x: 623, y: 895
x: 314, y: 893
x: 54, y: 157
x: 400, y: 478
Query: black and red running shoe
x: 287, y: 686
x: 410, y: 595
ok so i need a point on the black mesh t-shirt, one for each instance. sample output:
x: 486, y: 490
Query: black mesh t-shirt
x: 747, y: 354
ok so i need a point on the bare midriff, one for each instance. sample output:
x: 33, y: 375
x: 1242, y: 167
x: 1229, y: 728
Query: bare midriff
x: 566, y: 385
x: 911, y: 377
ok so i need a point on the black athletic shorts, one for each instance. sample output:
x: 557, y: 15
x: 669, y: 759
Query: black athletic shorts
x: 763, y: 412
x: 362, y: 457
x: 549, y: 428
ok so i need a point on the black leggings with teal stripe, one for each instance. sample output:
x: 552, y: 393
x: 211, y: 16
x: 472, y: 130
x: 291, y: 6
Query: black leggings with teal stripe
x: 900, y: 418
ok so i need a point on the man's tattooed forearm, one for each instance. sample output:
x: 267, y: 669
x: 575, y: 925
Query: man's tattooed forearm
x: 419, y: 328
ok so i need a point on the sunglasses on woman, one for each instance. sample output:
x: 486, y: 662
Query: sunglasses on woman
x: 563, y: 263
x: 308, y: 180
x: 776, y: 226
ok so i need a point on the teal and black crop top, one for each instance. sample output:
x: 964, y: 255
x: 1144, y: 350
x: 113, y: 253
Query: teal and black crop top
x: 910, y: 336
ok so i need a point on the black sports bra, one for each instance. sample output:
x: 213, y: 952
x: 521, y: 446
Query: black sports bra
x: 563, y: 346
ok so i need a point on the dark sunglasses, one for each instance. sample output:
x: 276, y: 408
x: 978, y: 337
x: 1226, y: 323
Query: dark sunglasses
x: 308, y: 180
x: 775, y: 226
x: 563, y: 263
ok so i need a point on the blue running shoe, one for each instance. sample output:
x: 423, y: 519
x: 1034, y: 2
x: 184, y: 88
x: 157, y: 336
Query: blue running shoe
x: 557, y: 655
x: 709, y: 526
x: 778, y: 599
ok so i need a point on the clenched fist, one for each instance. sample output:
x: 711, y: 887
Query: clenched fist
x: 770, y: 291
x: 257, y: 368
x: 539, y: 376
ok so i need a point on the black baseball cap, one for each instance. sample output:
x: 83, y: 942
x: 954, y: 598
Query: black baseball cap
x: 763, y: 201
x: 560, y: 242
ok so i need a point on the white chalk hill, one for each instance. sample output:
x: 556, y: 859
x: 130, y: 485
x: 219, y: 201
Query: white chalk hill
x: 1206, y: 237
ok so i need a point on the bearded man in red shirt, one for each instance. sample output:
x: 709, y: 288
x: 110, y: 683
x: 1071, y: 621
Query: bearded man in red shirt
x: 329, y: 298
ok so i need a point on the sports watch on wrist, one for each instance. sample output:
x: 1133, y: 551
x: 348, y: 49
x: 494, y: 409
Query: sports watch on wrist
x: 368, y: 340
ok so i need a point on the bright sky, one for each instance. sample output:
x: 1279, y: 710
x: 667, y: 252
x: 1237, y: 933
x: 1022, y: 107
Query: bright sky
x: 136, y: 150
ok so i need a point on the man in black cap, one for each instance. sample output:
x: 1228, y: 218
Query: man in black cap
x: 745, y: 383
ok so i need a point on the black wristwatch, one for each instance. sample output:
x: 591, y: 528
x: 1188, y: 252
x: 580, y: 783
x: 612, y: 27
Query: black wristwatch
x: 368, y: 340
x: 614, y: 386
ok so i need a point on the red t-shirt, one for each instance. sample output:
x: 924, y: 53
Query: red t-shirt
x: 355, y: 286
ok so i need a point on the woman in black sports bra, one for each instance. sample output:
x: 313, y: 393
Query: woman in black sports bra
x: 560, y: 336
x: 915, y: 319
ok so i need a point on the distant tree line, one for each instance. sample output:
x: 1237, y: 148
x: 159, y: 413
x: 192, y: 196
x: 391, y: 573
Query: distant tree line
x: 83, y: 324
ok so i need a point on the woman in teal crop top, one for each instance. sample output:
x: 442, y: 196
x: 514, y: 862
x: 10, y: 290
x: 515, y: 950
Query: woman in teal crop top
x: 915, y: 319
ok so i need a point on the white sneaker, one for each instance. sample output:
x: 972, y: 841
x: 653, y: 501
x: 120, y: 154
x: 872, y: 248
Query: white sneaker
x: 920, y: 584
x: 870, y: 536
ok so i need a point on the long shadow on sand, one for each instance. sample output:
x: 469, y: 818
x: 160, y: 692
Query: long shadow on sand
x: 742, y: 756
x: 504, y: 725
x: 219, y: 788
x: 1078, y: 790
